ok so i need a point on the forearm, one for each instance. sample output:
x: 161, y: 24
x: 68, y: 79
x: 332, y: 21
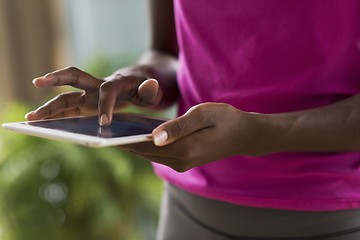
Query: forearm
x: 332, y: 128
x: 161, y: 56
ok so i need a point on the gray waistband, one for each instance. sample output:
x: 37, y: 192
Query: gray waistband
x: 262, y: 222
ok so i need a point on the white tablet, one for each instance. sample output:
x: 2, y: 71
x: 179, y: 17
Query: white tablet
x: 125, y: 128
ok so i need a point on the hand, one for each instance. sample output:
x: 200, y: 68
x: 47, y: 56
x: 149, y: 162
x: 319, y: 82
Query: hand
x: 206, y: 133
x: 100, y: 96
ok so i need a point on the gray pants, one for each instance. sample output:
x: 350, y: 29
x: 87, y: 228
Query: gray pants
x: 185, y: 216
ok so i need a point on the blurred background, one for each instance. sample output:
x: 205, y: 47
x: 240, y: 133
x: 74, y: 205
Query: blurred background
x: 54, y: 190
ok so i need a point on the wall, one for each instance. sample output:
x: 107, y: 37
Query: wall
x: 31, y: 43
x: 109, y: 28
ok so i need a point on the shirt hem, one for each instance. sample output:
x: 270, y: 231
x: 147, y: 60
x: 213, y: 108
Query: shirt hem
x: 316, y: 205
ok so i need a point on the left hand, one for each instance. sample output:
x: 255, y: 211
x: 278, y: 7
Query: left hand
x: 100, y: 96
x: 206, y: 133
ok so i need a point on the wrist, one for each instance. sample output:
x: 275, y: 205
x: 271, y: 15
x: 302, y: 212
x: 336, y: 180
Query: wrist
x: 271, y: 133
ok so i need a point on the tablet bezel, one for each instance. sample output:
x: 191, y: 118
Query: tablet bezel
x: 78, y: 138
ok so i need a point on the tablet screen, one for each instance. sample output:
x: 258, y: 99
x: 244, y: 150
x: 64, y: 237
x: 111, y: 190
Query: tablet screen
x: 122, y: 125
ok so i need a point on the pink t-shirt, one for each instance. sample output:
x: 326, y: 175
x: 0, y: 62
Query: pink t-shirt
x: 271, y: 56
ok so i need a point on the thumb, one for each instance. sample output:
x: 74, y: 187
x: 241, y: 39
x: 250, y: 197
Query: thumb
x: 148, y: 91
x: 181, y: 127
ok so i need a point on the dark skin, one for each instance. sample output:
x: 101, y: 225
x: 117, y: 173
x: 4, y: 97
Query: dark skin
x: 207, y: 132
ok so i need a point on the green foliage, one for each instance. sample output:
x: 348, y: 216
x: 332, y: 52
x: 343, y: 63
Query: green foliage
x: 101, y: 66
x: 55, y: 190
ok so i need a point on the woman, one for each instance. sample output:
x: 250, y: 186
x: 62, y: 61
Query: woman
x: 267, y: 143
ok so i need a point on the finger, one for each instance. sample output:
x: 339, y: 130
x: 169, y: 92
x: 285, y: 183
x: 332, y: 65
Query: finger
x: 174, y: 161
x: 61, y: 103
x: 114, y: 91
x: 157, y: 159
x: 125, y: 89
x: 194, y: 120
x: 66, y: 114
x: 182, y: 149
x: 148, y: 91
x: 148, y: 148
x: 107, y: 100
x: 148, y: 94
x: 69, y: 76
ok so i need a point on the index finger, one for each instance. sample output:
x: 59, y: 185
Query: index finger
x: 69, y: 76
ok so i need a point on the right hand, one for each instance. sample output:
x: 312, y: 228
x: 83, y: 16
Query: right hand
x: 100, y: 96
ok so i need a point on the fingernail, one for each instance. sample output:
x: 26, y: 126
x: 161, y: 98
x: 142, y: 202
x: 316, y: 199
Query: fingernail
x: 104, y: 119
x: 35, y: 79
x: 26, y: 115
x: 160, y: 138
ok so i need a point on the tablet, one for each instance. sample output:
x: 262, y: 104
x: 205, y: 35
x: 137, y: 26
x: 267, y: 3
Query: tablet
x: 125, y: 128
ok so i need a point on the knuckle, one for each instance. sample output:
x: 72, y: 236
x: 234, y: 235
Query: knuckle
x: 107, y: 86
x: 62, y: 99
x: 62, y: 95
x: 177, y: 129
x: 210, y: 113
x: 226, y: 107
x: 51, y: 74
x: 202, y: 114
x: 77, y: 111
x: 125, y: 86
x: 72, y: 69
x: 45, y: 111
x: 73, y: 73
